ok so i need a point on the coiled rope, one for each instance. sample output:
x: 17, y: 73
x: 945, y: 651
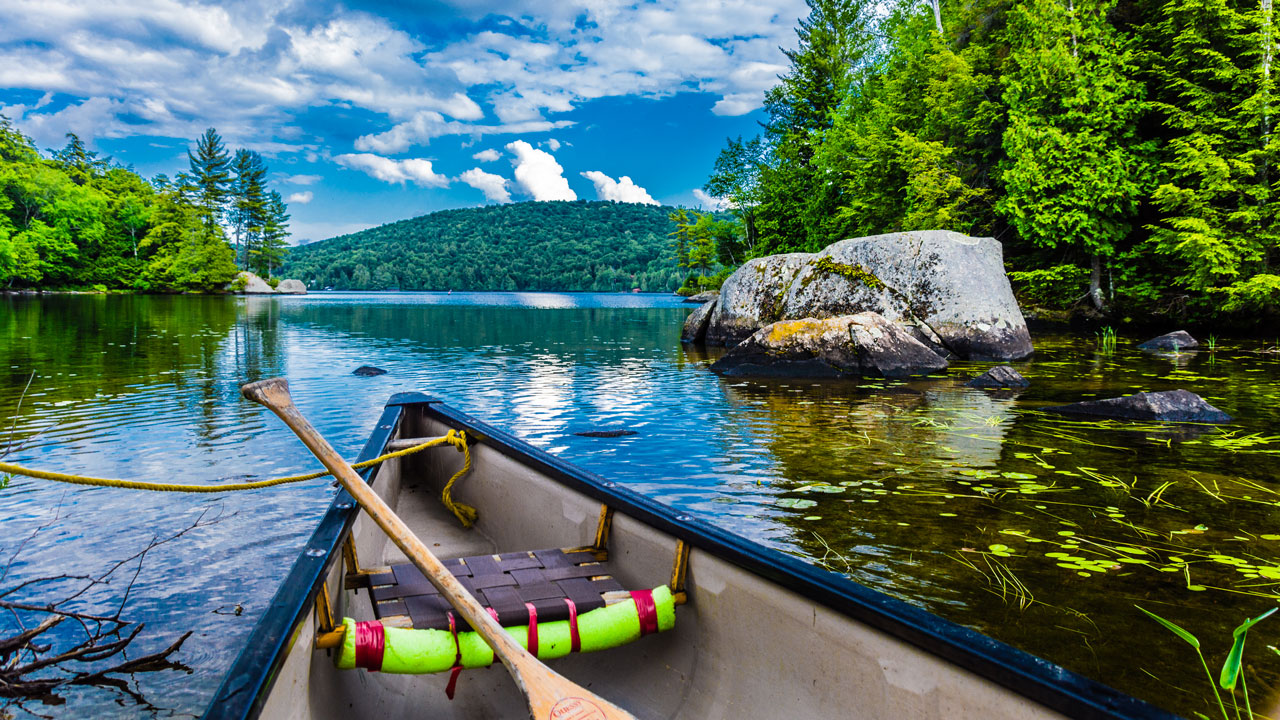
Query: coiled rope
x: 465, y: 513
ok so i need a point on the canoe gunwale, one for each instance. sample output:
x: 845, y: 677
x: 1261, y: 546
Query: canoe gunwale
x: 245, y: 687
x: 247, y: 684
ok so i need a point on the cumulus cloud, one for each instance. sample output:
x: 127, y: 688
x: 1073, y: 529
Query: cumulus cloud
x: 553, y: 143
x: 538, y: 174
x: 493, y: 186
x: 620, y: 190
x: 489, y: 155
x: 711, y: 202
x: 414, y: 170
x: 301, y: 198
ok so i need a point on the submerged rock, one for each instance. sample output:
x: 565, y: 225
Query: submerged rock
x: 292, y: 287
x: 606, y: 433
x: 254, y: 285
x: 849, y: 345
x: 695, y: 326
x: 1167, y: 406
x: 368, y: 371
x: 752, y: 297
x: 1176, y: 340
x: 1000, y: 376
x: 703, y: 297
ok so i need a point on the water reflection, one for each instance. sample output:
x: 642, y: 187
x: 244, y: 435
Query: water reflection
x: 904, y: 485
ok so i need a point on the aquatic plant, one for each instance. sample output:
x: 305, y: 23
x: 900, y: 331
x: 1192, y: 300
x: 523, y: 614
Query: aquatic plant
x: 1107, y: 340
x: 1232, y: 668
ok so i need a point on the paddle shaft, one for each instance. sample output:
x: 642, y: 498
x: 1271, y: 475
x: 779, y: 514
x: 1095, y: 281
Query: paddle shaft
x: 551, y: 696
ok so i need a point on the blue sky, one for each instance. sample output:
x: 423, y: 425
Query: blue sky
x: 369, y: 113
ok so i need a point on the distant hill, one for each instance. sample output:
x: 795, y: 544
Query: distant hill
x: 580, y: 245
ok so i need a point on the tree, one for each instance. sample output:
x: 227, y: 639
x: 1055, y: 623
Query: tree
x: 736, y: 178
x: 248, y: 203
x: 1074, y: 171
x: 210, y: 170
x: 272, y: 236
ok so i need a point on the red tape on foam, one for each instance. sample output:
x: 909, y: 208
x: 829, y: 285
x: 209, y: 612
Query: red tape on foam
x: 647, y: 609
x: 575, y: 640
x: 371, y: 642
x: 457, y: 660
x: 532, y: 642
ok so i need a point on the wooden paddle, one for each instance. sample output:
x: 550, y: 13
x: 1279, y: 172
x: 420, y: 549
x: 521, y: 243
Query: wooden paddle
x: 551, y: 696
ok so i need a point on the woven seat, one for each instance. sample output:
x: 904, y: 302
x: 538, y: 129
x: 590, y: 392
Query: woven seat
x: 504, y: 583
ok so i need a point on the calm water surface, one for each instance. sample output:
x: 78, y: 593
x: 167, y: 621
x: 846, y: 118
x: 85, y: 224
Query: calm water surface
x: 1040, y: 531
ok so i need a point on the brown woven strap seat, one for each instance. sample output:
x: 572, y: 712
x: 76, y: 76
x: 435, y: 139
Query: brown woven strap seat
x: 505, y: 583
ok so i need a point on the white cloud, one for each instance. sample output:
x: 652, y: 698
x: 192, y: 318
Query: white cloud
x: 711, y: 202
x: 301, y: 198
x: 620, y: 190
x: 538, y: 173
x: 489, y: 155
x: 414, y: 170
x: 553, y: 143
x: 493, y: 186
x: 301, y: 179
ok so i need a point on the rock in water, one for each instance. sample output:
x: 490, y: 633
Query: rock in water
x: 703, y: 297
x: 849, y: 345
x: 948, y: 289
x: 695, y: 326
x: 1167, y: 406
x: 254, y: 285
x: 292, y: 287
x: 368, y: 371
x: 1176, y: 340
x: 752, y: 297
x: 1000, y: 376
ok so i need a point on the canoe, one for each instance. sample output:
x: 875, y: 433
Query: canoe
x: 758, y: 634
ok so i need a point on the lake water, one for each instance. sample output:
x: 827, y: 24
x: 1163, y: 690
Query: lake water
x: 1041, y: 531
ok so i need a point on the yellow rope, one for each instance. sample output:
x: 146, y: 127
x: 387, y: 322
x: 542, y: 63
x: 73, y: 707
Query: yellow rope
x: 465, y: 513
x: 457, y: 439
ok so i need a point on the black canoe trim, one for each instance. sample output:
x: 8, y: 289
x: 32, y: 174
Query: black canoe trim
x: 246, y: 686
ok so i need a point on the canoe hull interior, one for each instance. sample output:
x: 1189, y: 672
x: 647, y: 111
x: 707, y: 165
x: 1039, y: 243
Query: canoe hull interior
x: 744, y: 646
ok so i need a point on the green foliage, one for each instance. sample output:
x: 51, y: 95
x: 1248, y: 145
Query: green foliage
x: 78, y: 221
x: 853, y: 273
x: 1058, y: 287
x: 566, y: 246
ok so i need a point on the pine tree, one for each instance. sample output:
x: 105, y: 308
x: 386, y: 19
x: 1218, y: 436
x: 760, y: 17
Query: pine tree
x: 272, y: 239
x: 1074, y: 172
x: 210, y: 168
x: 248, y: 203
x: 1218, y: 202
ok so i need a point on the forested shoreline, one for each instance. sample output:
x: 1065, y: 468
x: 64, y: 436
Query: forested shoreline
x: 565, y: 246
x: 1122, y: 150
x: 77, y: 221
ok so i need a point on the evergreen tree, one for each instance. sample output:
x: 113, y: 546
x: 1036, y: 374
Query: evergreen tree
x: 211, y: 173
x: 272, y: 243
x: 736, y: 178
x: 248, y: 204
x: 1074, y: 171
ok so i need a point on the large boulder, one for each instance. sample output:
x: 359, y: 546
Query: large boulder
x: 948, y: 289
x: 849, y: 345
x: 292, y: 287
x: 695, y: 326
x: 1174, y: 341
x: 1167, y: 406
x: 752, y: 297
x: 254, y: 285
